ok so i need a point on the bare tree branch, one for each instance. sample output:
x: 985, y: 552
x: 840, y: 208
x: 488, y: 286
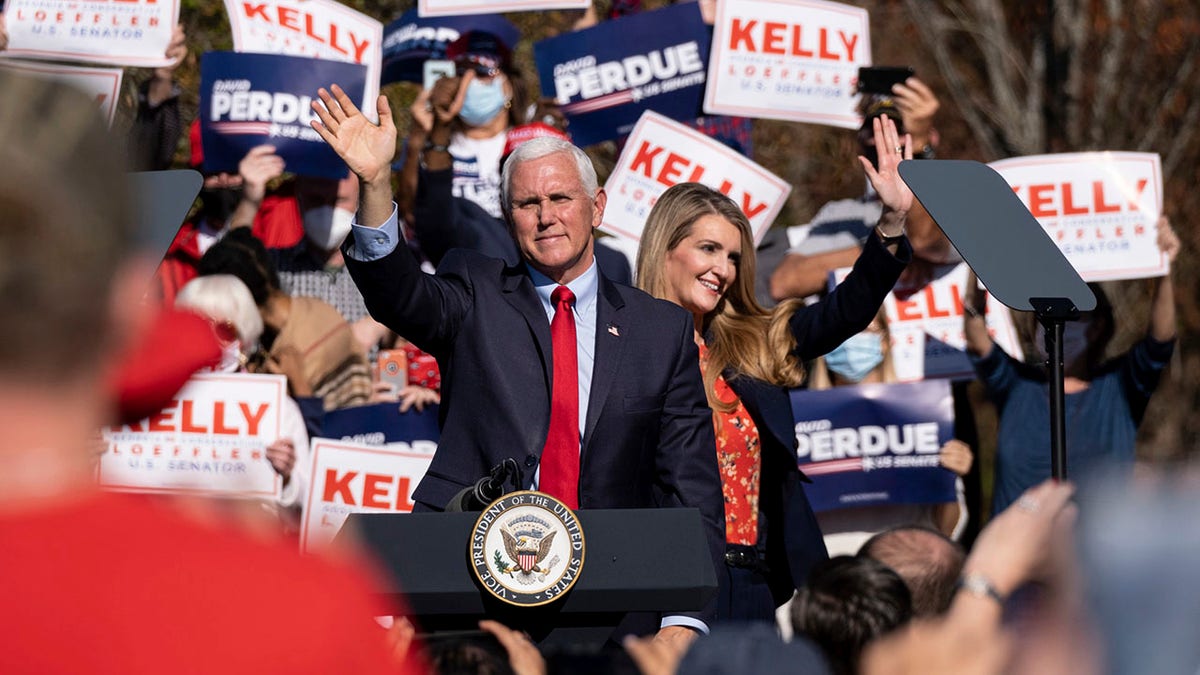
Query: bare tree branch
x: 1180, y: 83
x: 935, y: 28
x: 1108, y: 76
x: 1072, y: 21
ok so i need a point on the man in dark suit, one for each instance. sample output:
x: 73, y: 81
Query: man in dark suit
x: 627, y: 426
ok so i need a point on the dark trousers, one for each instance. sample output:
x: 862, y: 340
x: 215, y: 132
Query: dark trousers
x: 744, y: 596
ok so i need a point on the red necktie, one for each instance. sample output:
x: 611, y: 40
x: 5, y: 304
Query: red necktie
x: 560, y: 457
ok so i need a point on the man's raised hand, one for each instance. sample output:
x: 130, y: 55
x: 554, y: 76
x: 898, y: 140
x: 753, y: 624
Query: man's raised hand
x: 367, y: 148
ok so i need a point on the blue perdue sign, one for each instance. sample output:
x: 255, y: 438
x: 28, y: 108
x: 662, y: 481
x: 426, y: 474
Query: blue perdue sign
x: 874, y: 444
x: 606, y: 76
x: 247, y: 100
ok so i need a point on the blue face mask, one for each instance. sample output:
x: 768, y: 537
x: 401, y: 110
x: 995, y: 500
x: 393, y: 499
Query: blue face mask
x: 482, y: 101
x: 856, y: 357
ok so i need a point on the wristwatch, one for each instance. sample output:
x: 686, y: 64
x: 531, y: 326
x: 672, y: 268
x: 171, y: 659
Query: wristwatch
x: 888, y: 240
x: 980, y: 586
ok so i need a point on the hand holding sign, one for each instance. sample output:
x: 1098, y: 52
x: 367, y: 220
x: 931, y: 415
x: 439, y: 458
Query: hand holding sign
x: 1167, y: 240
x: 893, y: 191
x: 260, y: 166
x: 176, y: 52
x: 957, y: 457
x: 366, y: 148
x: 282, y: 456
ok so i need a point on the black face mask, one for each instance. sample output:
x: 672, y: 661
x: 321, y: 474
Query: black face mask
x: 218, y: 204
x: 1076, y: 346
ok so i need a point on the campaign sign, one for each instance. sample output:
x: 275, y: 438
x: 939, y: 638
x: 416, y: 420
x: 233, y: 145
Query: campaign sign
x: 446, y: 7
x: 248, y: 100
x: 322, y: 29
x: 116, y: 32
x: 661, y: 153
x: 873, y: 444
x: 1100, y: 208
x: 605, y: 77
x: 926, y: 326
x: 102, y: 85
x: 383, y: 424
x: 412, y: 39
x: 357, y: 478
x: 793, y: 60
x: 211, y: 438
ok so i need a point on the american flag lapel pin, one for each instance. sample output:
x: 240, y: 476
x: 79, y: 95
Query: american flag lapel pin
x: 613, y: 330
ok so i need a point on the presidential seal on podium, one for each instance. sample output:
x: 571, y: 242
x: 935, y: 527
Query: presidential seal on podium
x: 527, y: 549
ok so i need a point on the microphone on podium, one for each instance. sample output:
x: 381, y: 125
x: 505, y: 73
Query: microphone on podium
x: 489, y: 488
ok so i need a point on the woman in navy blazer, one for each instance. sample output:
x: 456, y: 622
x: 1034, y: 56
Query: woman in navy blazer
x: 698, y: 252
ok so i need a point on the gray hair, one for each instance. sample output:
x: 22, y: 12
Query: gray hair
x: 223, y: 297
x: 543, y: 147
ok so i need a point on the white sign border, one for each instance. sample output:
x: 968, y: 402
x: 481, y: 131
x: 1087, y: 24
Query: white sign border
x: 711, y: 107
x: 650, y: 117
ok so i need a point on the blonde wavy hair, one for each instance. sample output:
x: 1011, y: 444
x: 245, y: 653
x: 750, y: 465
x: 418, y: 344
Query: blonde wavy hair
x: 740, y: 334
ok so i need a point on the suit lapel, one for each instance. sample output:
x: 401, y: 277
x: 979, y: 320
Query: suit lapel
x: 609, y: 345
x: 773, y: 409
x: 518, y: 290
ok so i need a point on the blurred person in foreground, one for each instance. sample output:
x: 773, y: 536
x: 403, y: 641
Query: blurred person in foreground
x: 151, y: 589
x: 697, y: 251
x: 1030, y: 542
x: 846, y: 604
x: 1105, y: 398
x: 927, y: 560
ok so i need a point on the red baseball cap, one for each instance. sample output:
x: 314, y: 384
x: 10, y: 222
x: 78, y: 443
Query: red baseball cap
x: 528, y: 132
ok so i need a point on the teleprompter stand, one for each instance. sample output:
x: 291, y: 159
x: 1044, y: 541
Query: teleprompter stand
x: 636, y: 561
x: 1012, y: 255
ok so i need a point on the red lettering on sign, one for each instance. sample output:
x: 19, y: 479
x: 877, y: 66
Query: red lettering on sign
x: 256, y: 10
x: 402, y: 490
x: 372, y: 490
x: 1133, y: 200
x: 185, y: 423
x: 164, y: 419
x: 774, y: 39
x: 1069, y: 207
x: 906, y: 310
x: 750, y: 208
x: 1040, y: 202
x: 1098, y: 198
x: 218, y: 426
x: 741, y: 33
x: 671, y: 169
x: 1043, y: 202
x: 931, y: 301
x: 287, y: 18
x: 644, y: 159
x: 335, y: 486
x: 253, y: 419
x: 797, y: 50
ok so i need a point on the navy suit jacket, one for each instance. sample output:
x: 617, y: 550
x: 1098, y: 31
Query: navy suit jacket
x: 788, y: 530
x: 648, y: 439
